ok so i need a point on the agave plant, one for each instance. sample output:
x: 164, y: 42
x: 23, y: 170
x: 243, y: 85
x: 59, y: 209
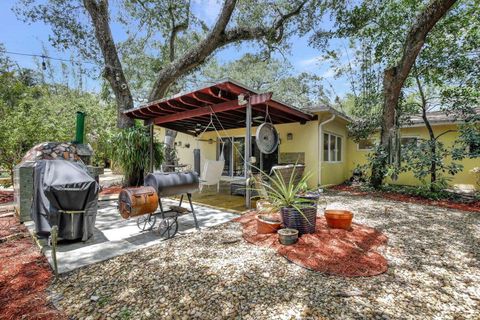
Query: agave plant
x: 281, y: 193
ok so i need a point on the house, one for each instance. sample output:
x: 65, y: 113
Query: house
x: 319, y: 140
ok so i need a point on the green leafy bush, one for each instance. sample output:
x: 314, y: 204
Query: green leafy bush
x: 423, y: 191
x: 131, y: 151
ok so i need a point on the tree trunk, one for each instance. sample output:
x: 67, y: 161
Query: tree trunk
x: 169, y: 141
x: 395, y: 77
x: 113, y: 71
x: 433, y: 167
x: 391, y: 96
x: 431, y: 134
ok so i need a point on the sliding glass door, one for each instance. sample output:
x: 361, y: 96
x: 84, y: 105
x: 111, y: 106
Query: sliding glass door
x: 233, y: 155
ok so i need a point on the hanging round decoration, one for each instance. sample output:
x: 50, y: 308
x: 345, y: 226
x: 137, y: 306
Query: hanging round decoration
x: 267, y: 138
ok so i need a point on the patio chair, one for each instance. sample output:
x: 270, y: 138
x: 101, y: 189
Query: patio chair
x: 211, y: 173
x: 285, y: 171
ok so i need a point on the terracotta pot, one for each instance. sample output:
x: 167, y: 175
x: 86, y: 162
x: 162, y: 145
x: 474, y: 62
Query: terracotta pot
x: 339, y: 219
x: 266, y: 224
x: 287, y: 236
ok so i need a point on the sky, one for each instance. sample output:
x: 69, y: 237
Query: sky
x: 21, y: 37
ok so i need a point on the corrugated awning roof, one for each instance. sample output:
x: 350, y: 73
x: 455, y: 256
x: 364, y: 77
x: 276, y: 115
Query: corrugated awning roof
x: 190, y: 112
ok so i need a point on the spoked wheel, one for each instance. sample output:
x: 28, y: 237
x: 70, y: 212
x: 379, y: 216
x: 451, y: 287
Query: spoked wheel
x: 168, y: 227
x: 146, y: 222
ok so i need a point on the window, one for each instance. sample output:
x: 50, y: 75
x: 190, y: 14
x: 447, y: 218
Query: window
x: 366, y: 144
x: 407, y: 141
x: 332, y: 148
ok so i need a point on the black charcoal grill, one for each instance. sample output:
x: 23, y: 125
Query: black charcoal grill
x: 66, y: 196
x: 168, y: 184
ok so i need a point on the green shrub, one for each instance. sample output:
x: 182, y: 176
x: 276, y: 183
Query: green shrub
x: 131, y: 151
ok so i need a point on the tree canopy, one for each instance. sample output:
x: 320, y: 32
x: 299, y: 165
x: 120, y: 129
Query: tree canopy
x: 301, y: 90
x: 408, y: 58
x: 32, y: 111
x: 166, y: 36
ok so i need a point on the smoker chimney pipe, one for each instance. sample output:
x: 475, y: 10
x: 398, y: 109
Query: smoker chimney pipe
x: 80, y: 130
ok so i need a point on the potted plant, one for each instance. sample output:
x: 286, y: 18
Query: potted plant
x: 268, y: 220
x: 297, y: 206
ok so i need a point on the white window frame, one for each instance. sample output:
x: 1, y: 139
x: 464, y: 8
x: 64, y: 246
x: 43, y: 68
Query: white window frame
x: 416, y: 137
x: 335, y: 150
x: 369, y: 149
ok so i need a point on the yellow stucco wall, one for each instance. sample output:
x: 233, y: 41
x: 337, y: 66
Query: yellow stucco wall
x: 306, y: 139
x: 357, y: 157
x: 333, y: 173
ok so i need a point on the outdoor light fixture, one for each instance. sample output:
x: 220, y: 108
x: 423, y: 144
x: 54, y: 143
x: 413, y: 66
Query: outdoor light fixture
x: 241, y: 100
x: 289, y: 136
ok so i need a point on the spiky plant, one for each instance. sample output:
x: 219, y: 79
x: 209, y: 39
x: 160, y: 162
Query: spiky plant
x: 281, y: 193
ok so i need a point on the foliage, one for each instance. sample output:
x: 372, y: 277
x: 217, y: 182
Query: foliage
x: 284, y: 194
x: 468, y: 143
x: 418, y: 158
x: 159, y: 34
x: 444, y: 76
x: 32, y: 112
x: 378, y: 158
x: 132, y: 153
x: 302, y: 90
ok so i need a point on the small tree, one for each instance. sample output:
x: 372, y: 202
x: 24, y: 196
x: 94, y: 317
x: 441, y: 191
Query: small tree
x: 428, y: 158
x: 132, y: 153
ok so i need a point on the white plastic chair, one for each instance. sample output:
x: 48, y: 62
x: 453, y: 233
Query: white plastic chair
x: 211, y: 173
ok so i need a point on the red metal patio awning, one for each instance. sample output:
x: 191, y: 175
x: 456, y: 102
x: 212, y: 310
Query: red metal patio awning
x: 190, y: 112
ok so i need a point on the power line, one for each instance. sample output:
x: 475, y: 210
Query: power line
x: 44, y: 57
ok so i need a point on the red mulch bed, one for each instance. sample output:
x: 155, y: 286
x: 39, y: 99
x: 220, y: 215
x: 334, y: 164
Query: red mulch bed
x: 471, y: 207
x: 24, y: 276
x: 111, y: 190
x: 6, y: 196
x: 333, y: 251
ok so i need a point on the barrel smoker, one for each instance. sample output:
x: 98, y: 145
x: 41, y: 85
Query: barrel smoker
x: 142, y: 202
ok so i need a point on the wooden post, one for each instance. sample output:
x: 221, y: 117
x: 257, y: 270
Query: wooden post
x: 248, y: 152
x: 151, y: 147
x: 53, y: 243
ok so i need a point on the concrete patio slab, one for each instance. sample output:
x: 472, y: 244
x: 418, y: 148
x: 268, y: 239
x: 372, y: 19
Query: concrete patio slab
x: 114, y: 236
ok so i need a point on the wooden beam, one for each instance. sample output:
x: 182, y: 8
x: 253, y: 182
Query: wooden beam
x: 220, y: 107
x: 183, y: 100
x: 216, y: 108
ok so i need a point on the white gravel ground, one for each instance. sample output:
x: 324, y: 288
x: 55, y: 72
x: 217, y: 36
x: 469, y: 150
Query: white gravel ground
x: 434, y: 273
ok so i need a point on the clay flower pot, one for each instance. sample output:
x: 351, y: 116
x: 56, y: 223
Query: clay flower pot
x: 287, y: 236
x: 339, y: 219
x: 267, y: 224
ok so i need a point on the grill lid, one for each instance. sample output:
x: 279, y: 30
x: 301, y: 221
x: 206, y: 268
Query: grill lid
x: 173, y: 183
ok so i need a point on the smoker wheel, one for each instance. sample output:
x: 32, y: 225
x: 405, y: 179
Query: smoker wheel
x: 168, y: 227
x: 146, y: 222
